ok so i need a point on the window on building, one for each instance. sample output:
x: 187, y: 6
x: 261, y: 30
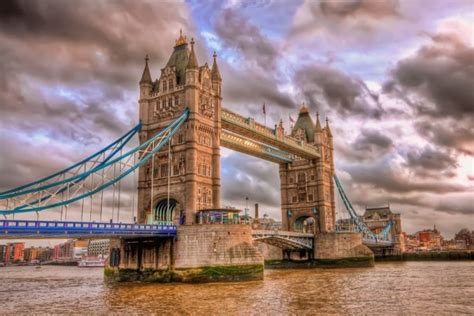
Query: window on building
x: 302, y: 197
x: 170, y: 102
x: 170, y: 84
x: 294, y: 199
x: 175, y: 169
x: 310, y: 197
x: 164, y: 170
x: 291, y: 180
x: 165, y: 86
x: 176, y: 100
x: 312, y: 177
x: 180, y: 138
x: 301, y: 177
x: 160, y: 104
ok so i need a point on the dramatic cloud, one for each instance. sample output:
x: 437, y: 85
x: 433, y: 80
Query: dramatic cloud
x: 432, y: 159
x: 365, y: 20
x: 394, y: 78
x: 455, y: 134
x: 237, y: 33
x: 245, y: 176
x: 342, y: 93
x: 440, y: 76
x: 355, y: 8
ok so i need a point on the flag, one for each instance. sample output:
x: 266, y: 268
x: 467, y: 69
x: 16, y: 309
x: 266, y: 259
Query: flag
x: 263, y: 109
x: 292, y: 121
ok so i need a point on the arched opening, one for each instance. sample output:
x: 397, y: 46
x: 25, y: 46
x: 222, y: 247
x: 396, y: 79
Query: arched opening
x: 305, y: 224
x: 164, y: 212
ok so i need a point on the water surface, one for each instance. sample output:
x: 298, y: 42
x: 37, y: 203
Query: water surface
x: 388, y: 288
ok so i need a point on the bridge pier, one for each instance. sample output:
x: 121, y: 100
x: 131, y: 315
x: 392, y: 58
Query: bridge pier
x: 342, y: 249
x: 199, y: 253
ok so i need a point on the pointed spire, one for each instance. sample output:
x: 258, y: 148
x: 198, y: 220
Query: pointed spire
x: 327, y: 127
x: 192, y: 63
x: 303, y: 109
x: 181, y: 39
x: 146, y: 77
x: 215, y: 73
x: 318, y: 124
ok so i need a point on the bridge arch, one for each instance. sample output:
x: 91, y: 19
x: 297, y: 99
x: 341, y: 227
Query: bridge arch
x: 162, y: 212
x: 306, y: 224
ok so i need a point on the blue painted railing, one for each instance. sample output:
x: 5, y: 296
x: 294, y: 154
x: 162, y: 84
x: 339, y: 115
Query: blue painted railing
x: 60, y: 229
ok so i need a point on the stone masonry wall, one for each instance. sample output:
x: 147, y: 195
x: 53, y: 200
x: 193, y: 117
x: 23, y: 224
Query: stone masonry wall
x: 215, y: 245
x: 269, y: 252
x: 340, y: 246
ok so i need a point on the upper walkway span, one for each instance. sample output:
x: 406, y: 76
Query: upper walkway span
x: 248, y: 128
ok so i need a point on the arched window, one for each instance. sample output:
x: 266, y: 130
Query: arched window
x: 170, y: 84
x: 165, y: 87
x: 301, y: 177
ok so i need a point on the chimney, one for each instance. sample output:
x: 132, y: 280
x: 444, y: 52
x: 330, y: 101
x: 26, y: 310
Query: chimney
x: 256, y: 211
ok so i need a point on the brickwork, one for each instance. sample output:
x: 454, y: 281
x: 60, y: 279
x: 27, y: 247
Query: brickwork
x: 215, y: 245
x: 194, y: 165
x: 307, y: 189
x: 269, y: 252
x: 340, y: 246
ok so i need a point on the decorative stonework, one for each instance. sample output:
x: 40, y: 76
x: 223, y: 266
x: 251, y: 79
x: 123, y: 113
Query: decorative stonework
x: 190, y: 177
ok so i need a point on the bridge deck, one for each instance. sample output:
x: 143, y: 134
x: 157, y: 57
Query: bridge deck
x: 285, y: 239
x: 11, y: 229
x: 247, y: 127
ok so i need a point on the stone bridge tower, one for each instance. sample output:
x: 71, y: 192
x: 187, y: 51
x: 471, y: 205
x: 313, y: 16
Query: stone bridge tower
x: 307, y: 189
x: 193, y: 170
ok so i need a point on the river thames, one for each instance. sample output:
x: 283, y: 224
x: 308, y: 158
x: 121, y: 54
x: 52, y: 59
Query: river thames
x: 388, y: 288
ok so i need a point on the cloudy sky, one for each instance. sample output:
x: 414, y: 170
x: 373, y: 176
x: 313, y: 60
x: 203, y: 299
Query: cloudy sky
x: 395, y: 78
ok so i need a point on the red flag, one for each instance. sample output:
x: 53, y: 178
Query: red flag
x: 264, y: 112
x: 292, y: 121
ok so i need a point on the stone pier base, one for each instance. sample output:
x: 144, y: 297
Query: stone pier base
x: 199, y: 253
x: 342, y: 250
x: 216, y: 252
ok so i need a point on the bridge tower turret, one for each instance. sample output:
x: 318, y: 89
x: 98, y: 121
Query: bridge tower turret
x: 145, y: 89
x: 175, y: 187
x: 307, y: 190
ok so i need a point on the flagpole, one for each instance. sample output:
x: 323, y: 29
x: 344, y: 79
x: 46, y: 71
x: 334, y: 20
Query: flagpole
x: 264, y: 115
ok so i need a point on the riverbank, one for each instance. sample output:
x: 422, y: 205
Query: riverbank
x: 429, y: 256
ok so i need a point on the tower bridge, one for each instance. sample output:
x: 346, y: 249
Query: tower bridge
x: 183, y: 125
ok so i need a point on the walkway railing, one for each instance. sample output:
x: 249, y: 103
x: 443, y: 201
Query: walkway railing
x: 264, y: 134
x: 60, y: 229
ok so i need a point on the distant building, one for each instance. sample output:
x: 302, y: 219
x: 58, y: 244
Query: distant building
x: 38, y: 253
x: 376, y: 219
x: 266, y: 223
x: 70, y: 250
x: 465, y: 236
x: 429, y: 239
x: 12, y: 252
x: 3, y: 253
x: 100, y: 247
